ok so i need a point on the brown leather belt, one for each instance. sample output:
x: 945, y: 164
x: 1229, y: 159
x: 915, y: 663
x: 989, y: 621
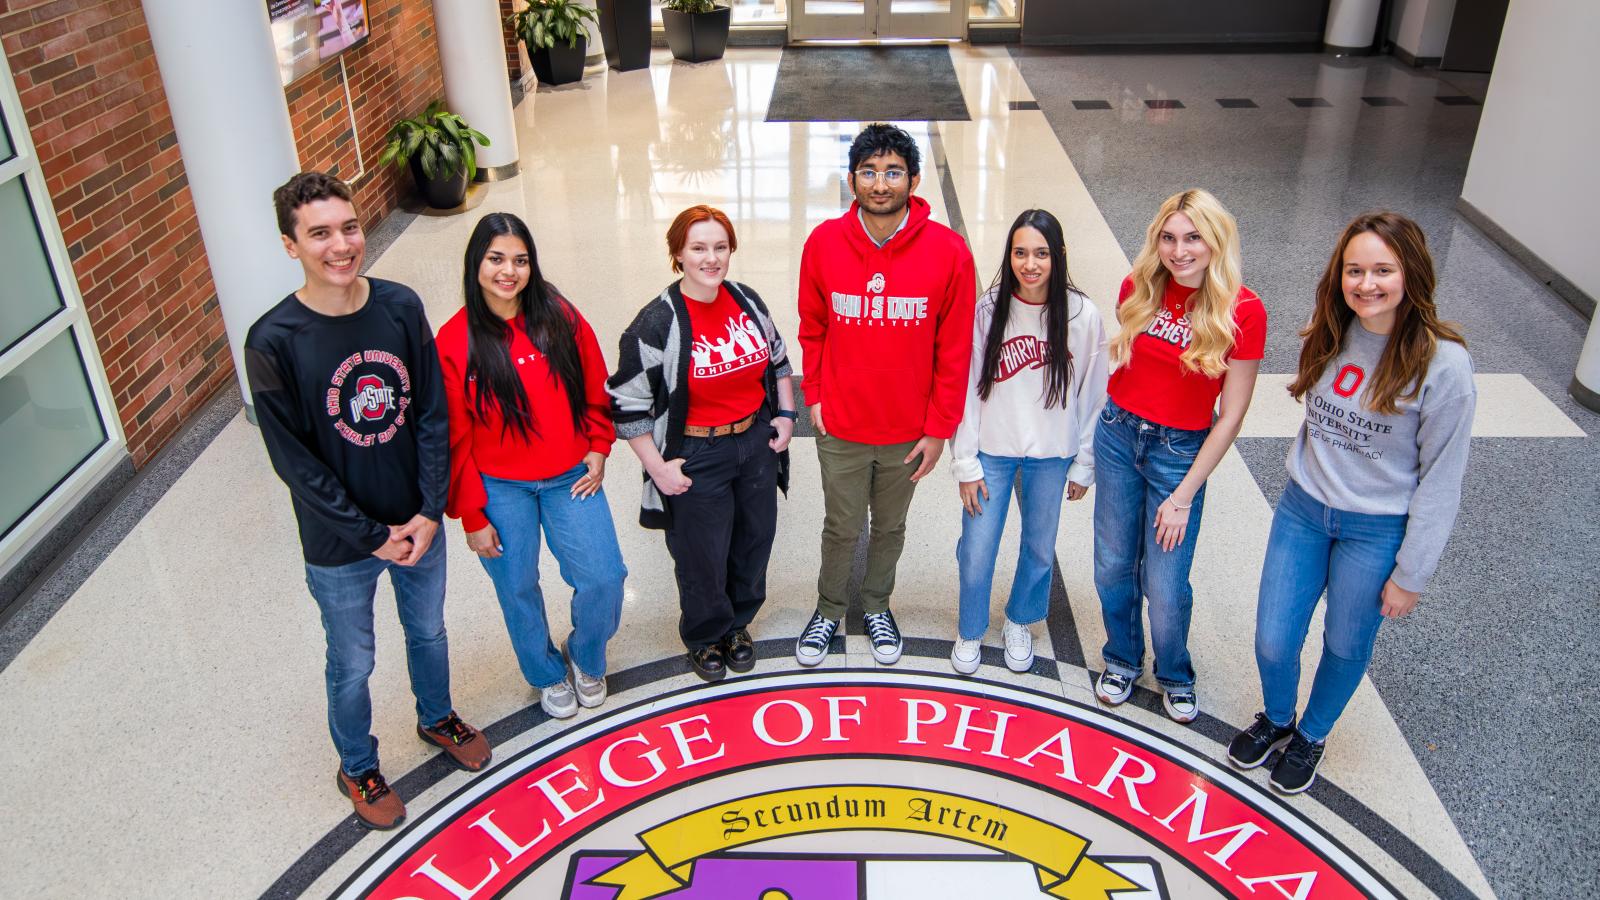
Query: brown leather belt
x: 705, y: 431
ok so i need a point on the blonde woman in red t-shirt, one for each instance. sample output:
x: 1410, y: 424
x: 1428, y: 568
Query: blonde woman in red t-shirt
x: 1190, y: 333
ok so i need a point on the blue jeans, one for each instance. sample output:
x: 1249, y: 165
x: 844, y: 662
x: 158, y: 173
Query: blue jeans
x: 1039, y: 498
x: 344, y: 594
x: 1138, y: 464
x: 1313, y: 547
x: 584, y: 542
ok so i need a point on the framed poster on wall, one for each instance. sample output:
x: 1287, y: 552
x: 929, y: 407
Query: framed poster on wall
x: 310, y: 32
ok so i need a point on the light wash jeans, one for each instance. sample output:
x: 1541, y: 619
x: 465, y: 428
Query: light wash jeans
x: 1138, y: 464
x: 1315, y: 547
x: 1039, y: 498
x: 584, y: 542
x: 344, y: 595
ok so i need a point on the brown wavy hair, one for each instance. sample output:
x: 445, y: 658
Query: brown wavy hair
x: 1417, y: 327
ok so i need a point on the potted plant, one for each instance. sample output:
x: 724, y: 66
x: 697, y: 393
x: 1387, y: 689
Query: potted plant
x: 625, y: 30
x: 556, y: 38
x: 697, y: 30
x: 438, y: 146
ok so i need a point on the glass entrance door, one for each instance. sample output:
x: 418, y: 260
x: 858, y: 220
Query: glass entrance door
x: 874, y: 20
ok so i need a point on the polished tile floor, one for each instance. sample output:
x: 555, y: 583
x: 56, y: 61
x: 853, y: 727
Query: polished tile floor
x: 176, y: 741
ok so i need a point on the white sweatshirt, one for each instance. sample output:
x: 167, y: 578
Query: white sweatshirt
x: 1014, y: 421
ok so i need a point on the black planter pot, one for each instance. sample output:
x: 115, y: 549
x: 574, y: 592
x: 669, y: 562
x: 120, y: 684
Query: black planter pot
x: 625, y: 30
x: 440, y: 193
x: 559, y: 64
x: 697, y: 37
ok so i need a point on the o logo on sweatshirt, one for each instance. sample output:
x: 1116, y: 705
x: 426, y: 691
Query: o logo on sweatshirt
x: 1349, y: 379
x: 876, y: 285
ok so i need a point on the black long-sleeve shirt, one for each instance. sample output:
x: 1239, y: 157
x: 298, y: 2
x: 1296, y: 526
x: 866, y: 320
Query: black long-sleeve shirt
x: 353, y: 414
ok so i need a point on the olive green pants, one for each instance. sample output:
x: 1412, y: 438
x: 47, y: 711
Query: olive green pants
x: 858, y: 479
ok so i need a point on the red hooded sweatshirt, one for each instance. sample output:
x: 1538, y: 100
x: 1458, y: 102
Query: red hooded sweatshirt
x: 886, y: 332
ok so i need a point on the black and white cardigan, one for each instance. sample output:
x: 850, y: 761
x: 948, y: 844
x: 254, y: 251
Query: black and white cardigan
x: 649, y: 391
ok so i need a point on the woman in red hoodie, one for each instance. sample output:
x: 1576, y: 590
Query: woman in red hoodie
x: 530, y: 429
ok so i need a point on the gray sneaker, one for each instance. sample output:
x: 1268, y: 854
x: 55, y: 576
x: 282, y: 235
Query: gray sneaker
x: 559, y: 700
x: 591, y: 691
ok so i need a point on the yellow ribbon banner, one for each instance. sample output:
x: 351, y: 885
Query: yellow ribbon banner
x: 671, y: 848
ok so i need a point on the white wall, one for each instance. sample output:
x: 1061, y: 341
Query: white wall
x: 1420, y: 27
x: 1533, y: 169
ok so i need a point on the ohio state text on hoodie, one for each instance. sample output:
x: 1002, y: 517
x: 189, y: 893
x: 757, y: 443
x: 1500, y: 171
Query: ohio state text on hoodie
x: 886, y: 332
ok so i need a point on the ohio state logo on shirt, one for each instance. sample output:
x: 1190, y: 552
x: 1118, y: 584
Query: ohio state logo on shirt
x: 363, y: 387
x: 1173, y: 331
x: 372, y: 400
x: 1349, y: 379
x: 876, y: 307
x: 740, y: 346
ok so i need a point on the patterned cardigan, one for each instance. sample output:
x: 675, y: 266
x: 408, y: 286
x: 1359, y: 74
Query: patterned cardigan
x: 649, y: 391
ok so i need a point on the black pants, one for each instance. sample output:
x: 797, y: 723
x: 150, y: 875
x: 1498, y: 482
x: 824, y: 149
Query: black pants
x: 722, y: 531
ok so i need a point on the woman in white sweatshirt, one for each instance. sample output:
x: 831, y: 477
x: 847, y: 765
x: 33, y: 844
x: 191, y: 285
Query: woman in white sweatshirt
x: 1374, y: 483
x: 1037, y: 382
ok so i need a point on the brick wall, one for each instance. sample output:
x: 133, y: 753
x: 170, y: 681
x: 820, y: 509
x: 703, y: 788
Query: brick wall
x: 513, y: 60
x: 394, y: 74
x: 92, y: 98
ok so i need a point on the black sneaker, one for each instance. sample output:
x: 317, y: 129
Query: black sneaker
x: 884, y: 636
x: 739, y: 652
x: 814, y: 643
x: 708, y: 663
x: 1298, y: 767
x: 1251, y: 747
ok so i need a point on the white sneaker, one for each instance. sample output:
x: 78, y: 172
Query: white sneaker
x: 1019, y: 646
x: 591, y: 691
x: 1182, y: 705
x: 964, y: 656
x: 1113, y: 688
x: 559, y: 700
x: 813, y: 645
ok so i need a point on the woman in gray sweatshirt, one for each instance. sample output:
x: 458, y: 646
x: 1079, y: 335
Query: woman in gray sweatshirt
x: 1374, y: 483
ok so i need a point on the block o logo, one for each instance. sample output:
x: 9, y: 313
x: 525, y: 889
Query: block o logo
x: 1349, y: 379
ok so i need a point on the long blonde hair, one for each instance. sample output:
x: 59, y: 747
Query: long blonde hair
x: 1210, y: 309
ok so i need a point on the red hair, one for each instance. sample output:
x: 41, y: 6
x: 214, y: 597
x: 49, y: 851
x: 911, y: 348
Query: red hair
x: 678, y: 233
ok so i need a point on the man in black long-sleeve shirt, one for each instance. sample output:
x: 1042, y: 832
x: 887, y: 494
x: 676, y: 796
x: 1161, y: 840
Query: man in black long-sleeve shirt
x: 347, y: 390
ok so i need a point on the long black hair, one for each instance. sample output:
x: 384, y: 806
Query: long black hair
x: 1057, y: 311
x: 550, y: 323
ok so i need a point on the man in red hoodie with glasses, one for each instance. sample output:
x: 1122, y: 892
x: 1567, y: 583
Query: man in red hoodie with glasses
x: 886, y: 300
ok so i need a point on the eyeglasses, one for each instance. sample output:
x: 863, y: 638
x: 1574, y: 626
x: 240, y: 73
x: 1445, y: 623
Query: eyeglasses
x: 892, y: 177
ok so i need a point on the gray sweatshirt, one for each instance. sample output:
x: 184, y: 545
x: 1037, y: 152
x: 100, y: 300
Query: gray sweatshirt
x: 1353, y: 459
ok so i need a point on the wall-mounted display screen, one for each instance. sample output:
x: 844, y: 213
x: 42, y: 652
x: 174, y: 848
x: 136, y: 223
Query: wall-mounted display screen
x: 310, y: 32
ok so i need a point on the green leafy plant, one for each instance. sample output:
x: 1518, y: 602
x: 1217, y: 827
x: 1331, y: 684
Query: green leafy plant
x: 440, y: 140
x: 689, y: 6
x: 545, y: 22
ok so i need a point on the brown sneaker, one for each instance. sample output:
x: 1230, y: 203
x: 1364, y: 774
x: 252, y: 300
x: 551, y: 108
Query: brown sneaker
x: 464, y: 746
x: 377, y: 807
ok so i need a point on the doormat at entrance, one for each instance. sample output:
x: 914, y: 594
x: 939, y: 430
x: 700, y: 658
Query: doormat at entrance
x: 866, y: 84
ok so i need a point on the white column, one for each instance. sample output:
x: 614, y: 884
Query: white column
x: 1586, y: 380
x: 477, y: 84
x: 220, y: 71
x: 1351, y: 24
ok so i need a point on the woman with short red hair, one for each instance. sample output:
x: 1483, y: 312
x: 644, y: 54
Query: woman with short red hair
x: 702, y: 394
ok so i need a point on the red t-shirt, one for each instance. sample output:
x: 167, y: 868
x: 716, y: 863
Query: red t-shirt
x: 1154, y: 385
x: 727, y: 362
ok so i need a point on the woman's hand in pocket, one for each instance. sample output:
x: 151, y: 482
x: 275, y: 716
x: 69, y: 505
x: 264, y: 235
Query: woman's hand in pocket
x: 669, y: 478
x: 589, y: 484
x: 485, y: 542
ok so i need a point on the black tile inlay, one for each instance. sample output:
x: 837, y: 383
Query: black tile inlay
x: 1091, y: 104
x: 1164, y: 104
x: 1457, y: 100
x: 1024, y: 104
x: 1236, y: 103
x: 1383, y: 101
x: 1307, y: 102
